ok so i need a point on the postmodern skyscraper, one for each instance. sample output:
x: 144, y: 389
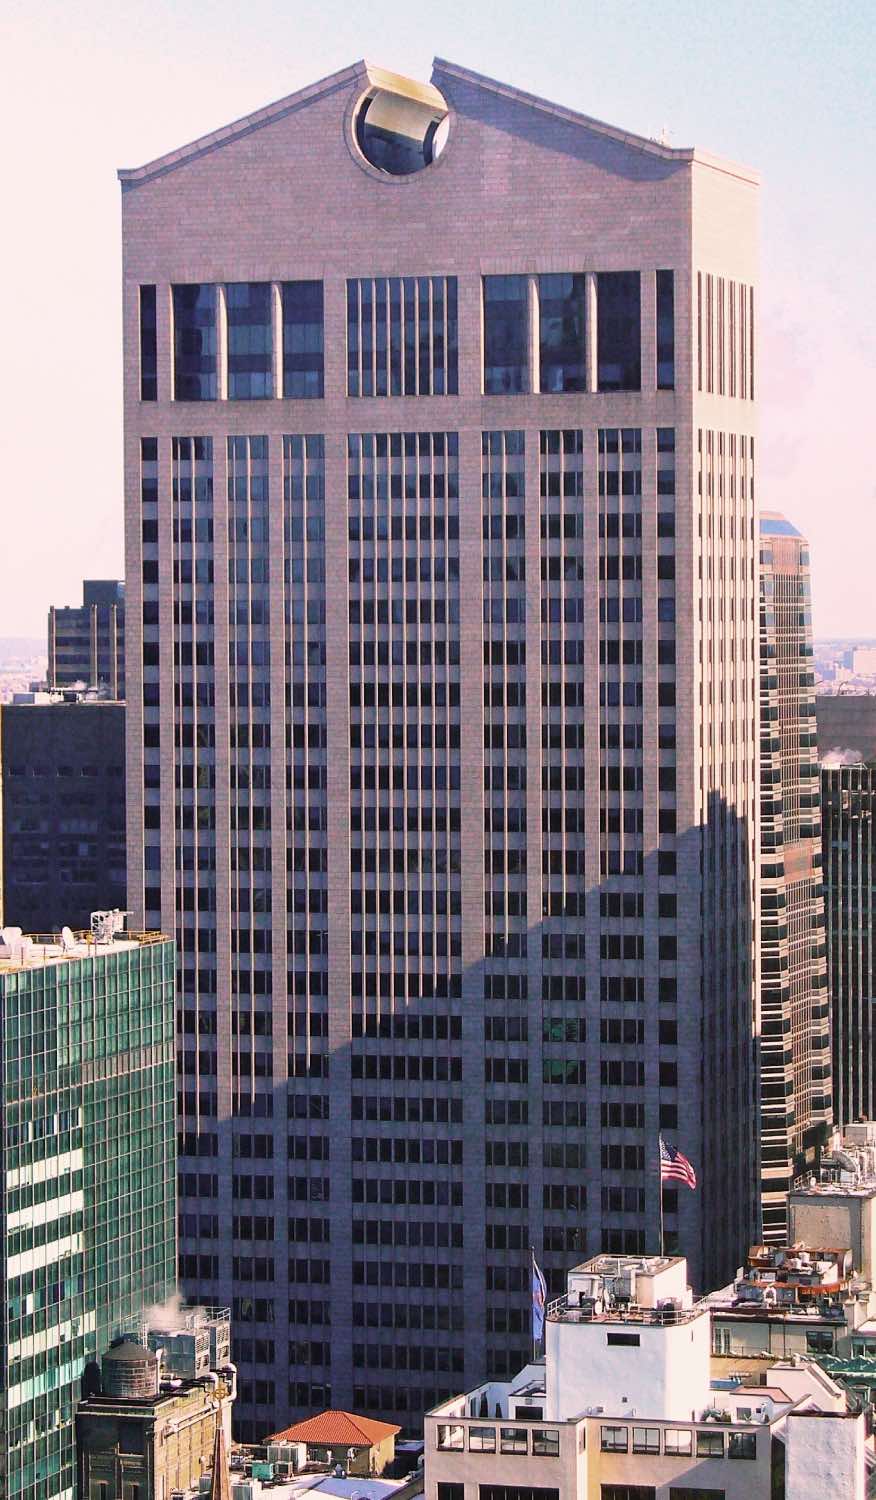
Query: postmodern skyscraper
x: 848, y: 795
x: 87, y: 1176
x: 87, y: 641
x: 795, y: 1066
x: 443, y: 660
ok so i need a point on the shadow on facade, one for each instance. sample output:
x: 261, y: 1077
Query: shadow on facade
x: 379, y: 1252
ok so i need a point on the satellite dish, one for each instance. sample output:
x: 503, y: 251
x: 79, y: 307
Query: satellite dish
x: 67, y: 938
x: 11, y: 936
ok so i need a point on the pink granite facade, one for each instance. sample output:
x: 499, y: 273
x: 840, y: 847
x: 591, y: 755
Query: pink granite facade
x: 442, y: 752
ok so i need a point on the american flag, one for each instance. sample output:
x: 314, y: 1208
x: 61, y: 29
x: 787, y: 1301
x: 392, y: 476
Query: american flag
x: 675, y: 1167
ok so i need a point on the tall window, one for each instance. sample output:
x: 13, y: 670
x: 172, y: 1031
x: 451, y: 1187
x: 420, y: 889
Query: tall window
x: 250, y: 342
x: 148, y: 345
x: 561, y: 303
x: 618, y: 331
x: 506, y: 334
x: 194, y: 342
x: 402, y: 336
x: 665, y: 330
x: 303, y: 339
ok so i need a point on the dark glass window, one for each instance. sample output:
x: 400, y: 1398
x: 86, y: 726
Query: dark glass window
x: 148, y: 345
x: 618, y: 331
x: 561, y: 303
x: 402, y: 336
x: 665, y: 330
x: 194, y: 343
x: 742, y: 1445
x: 687, y: 1492
x: 303, y: 340
x: 516, y: 1492
x: 506, y: 334
x: 250, y: 341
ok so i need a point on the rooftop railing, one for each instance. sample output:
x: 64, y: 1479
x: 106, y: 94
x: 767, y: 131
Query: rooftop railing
x: 589, y: 1310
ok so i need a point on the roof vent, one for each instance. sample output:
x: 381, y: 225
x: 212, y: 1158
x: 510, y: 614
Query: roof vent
x: 400, y: 126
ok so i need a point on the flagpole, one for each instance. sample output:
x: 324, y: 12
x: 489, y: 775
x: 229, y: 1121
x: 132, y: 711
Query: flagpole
x: 531, y: 1284
x: 660, y: 1187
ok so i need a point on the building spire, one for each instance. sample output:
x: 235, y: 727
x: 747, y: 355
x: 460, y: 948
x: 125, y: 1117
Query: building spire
x: 220, y: 1487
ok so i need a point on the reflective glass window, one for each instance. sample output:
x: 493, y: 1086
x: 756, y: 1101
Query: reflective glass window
x: 194, y: 342
x: 618, y: 331
x: 506, y: 334
x: 665, y: 330
x: 561, y: 303
x: 148, y: 345
x: 250, y: 340
x: 303, y: 339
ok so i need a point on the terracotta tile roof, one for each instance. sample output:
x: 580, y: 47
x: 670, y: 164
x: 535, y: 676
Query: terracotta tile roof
x: 336, y: 1429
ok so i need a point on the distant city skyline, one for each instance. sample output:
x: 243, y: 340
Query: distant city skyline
x: 118, y: 87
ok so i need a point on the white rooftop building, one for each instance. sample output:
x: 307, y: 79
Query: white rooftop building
x: 622, y: 1407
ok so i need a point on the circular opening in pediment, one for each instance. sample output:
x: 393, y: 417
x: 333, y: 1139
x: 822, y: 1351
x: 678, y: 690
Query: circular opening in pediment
x: 401, y: 128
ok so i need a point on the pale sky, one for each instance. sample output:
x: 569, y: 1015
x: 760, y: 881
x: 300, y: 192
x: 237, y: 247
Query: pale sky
x: 89, y: 87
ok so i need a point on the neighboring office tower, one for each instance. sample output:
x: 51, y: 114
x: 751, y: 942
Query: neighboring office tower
x: 795, y: 1022
x: 442, y: 751
x: 848, y: 801
x: 87, y: 642
x: 62, y: 812
x: 87, y: 1179
x: 846, y: 727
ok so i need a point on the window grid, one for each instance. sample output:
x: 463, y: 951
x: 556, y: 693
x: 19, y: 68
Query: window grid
x: 402, y: 336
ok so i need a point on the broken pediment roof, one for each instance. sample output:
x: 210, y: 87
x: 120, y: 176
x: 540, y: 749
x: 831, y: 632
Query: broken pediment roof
x: 418, y: 98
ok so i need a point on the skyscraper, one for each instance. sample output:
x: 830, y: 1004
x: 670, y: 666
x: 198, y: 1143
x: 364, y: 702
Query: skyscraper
x: 795, y: 1066
x: 443, y: 664
x: 87, y: 1167
x: 87, y: 641
x: 62, y: 812
x: 848, y: 797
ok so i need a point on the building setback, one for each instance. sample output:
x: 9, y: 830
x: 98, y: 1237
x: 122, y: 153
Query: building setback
x: 87, y: 1168
x: 442, y: 736
x: 848, y: 800
x: 62, y: 812
x: 795, y: 1108
x: 87, y: 641
x: 846, y: 726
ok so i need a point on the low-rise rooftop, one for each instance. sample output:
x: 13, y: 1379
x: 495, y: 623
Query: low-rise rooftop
x: 20, y: 951
x: 641, y: 1289
x: 336, y: 1429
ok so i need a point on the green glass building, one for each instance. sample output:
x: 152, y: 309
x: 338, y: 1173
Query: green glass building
x: 88, y: 1179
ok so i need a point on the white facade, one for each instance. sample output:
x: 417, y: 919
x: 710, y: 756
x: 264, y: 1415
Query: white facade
x: 646, y: 1353
x: 825, y: 1455
x: 567, y: 1424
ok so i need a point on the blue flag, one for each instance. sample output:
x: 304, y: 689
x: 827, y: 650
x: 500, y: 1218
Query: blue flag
x: 539, y: 1298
